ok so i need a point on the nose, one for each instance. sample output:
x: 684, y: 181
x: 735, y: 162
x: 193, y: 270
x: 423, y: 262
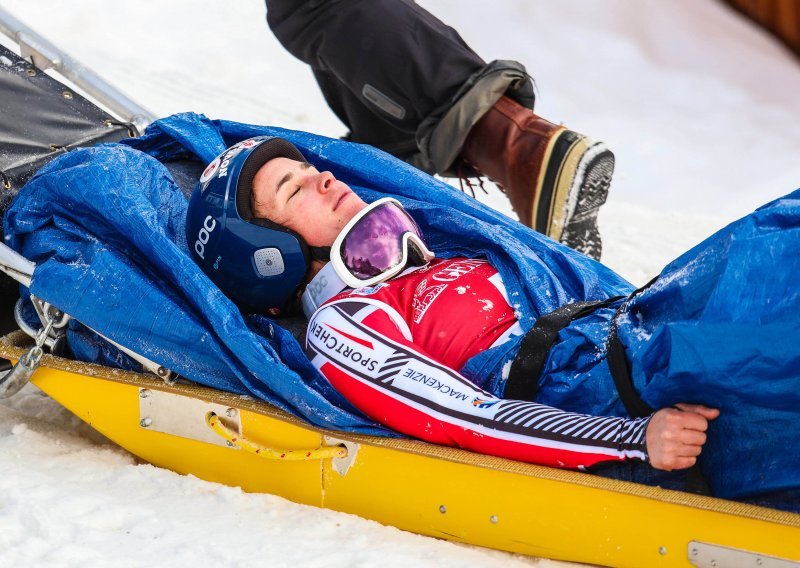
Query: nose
x: 322, y: 181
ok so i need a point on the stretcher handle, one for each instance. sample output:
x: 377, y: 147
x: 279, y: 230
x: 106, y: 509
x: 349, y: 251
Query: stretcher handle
x: 233, y: 438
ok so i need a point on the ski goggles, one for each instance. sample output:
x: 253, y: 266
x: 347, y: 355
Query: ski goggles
x: 378, y: 244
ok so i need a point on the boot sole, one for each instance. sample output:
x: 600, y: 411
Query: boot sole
x: 573, y: 187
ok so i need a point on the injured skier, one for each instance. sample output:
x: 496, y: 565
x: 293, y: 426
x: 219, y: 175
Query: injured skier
x: 700, y: 364
x: 504, y: 343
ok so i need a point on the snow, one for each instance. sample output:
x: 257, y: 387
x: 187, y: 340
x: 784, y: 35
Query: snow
x: 699, y: 106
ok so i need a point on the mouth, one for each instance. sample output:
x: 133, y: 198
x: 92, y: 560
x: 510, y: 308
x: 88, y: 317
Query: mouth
x: 345, y: 194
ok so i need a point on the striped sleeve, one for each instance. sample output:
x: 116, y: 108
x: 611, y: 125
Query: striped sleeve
x: 365, y: 352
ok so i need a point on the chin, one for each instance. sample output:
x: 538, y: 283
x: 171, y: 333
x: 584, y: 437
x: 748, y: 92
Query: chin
x: 352, y: 206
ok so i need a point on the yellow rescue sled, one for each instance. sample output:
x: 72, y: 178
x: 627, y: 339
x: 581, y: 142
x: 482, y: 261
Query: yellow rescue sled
x: 432, y: 490
x: 416, y: 486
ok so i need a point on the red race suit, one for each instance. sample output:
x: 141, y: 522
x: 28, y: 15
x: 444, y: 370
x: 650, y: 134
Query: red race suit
x: 394, y: 350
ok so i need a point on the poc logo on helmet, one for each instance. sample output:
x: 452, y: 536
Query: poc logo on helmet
x: 209, y: 224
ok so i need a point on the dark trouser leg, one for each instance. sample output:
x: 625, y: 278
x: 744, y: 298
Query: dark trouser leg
x: 396, y: 75
x: 641, y: 472
x: 392, y: 46
x: 366, y: 126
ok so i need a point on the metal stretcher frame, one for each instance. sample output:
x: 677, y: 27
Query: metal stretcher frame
x: 91, y: 111
x: 46, y: 56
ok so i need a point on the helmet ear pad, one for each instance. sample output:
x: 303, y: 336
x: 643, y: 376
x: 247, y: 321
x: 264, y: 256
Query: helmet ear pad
x: 267, y: 224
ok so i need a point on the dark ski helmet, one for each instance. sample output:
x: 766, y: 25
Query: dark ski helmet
x: 256, y: 263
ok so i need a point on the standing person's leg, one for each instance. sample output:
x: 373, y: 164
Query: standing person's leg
x: 384, y: 66
x: 405, y: 82
x: 365, y: 126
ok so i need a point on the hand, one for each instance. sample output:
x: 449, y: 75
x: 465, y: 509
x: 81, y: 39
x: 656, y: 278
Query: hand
x: 675, y: 436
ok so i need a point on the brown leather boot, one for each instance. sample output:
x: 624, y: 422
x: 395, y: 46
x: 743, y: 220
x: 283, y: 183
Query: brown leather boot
x: 555, y: 178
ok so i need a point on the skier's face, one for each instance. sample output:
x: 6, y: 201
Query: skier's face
x: 313, y: 204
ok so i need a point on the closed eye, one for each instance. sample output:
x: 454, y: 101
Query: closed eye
x: 303, y: 166
x: 289, y: 176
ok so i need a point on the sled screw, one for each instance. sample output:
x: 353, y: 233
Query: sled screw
x: 758, y: 562
x: 67, y: 95
x: 493, y: 519
x: 663, y: 551
x: 144, y: 393
x: 31, y: 72
x: 145, y: 422
x: 694, y: 552
x: 230, y: 444
x: 230, y: 413
x: 442, y: 509
x: 162, y: 371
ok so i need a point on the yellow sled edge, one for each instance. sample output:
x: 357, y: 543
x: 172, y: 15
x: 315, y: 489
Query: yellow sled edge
x: 427, y: 489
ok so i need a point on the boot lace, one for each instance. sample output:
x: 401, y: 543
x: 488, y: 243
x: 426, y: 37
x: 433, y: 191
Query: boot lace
x: 465, y: 174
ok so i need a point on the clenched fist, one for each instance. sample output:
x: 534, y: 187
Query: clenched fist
x: 675, y: 436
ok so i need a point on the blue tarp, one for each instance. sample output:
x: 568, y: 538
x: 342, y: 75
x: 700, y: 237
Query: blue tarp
x: 106, y: 229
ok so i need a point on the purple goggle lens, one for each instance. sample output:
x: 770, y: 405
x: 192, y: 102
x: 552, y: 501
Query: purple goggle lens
x: 381, y: 242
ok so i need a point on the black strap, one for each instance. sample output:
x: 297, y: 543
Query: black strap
x: 695, y: 481
x: 320, y: 253
x: 618, y: 364
x: 523, y: 377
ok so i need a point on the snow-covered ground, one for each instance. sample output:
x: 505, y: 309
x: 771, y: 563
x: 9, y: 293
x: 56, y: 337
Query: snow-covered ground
x: 700, y: 107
